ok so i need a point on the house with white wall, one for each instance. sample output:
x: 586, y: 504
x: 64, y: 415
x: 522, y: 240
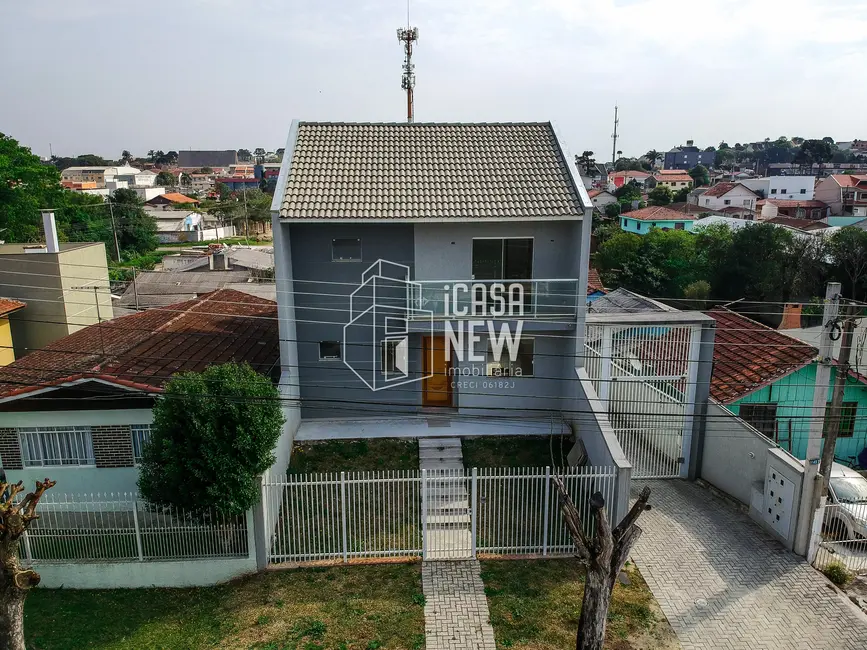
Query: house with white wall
x: 734, y: 199
x: 782, y: 188
x: 82, y: 418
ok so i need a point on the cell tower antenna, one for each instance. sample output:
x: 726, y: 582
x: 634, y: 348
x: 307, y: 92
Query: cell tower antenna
x: 614, y: 138
x: 408, y: 36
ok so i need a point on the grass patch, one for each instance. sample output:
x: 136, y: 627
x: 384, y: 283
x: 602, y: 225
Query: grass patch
x: 354, y: 455
x: 516, y: 451
x: 336, y: 607
x: 536, y: 604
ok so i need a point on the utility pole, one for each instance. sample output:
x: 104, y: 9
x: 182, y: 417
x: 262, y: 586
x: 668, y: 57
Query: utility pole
x: 810, y: 488
x: 614, y: 138
x: 836, y: 409
x: 246, y: 224
x: 114, y: 230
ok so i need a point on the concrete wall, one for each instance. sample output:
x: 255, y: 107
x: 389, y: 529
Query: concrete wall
x: 641, y: 227
x: 7, y: 350
x: 85, y: 267
x: 734, y: 455
x: 445, y: 251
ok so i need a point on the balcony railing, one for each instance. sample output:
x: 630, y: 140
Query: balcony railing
x: 506, y: 299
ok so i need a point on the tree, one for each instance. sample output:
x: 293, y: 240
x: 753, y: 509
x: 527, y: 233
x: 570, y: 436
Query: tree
x: 244, y: 207
x: 612, y: 210
x: 604, y: 556
x: 166, y: 179
x: 171, y: 158
x: 15, y: 582
x: 244, y: 155
x: 258, y: 151
x: 125, y: 157
x: 697, y: 293
x: 682, y: 195
x: 26, y: 185
x: 630, y: 191
x: 814, y: 151
x: 136, y: 229
x: 222, y: 190
x: 206, y: 170
x: 797, y: 141
x: 653, y: 155
x: 724, y: 158
x: 723, y: 145
x: 709, y: 149
x: 660, y: 195
x: 280, y: 152
x: 185, y: 178
x: 848, y: 249
x: 586, y: 163
x: 213, y: 435
x: 828, y: 140
x: 700, y: 175
x: 628, y: 164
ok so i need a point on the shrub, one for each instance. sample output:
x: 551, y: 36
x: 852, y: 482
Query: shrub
x: 837, y: 573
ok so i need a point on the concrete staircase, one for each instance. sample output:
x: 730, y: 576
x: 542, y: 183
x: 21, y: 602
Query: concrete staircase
x: 447, y: 521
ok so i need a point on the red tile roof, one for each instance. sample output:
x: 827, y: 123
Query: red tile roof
x: 720, y: 189
x: 594, y: 282
x: 631, y: 173
x: 792, y: 203
x: 143, y: 350
x: 748, y: 355
x: 674, y: 172
x: 689, y: 208
x: 674, y: 178
x: 594, y: 193
x: 8, y: 305
x: 656, y: 213
x: 849, y: 180
x: 174, y: 197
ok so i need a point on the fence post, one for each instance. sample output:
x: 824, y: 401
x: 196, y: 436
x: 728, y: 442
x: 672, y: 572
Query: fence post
x: 473, y: 509
x: 424, y: 514
x: 546, y: 511
x: 138, y: 544
x: 343, y: 515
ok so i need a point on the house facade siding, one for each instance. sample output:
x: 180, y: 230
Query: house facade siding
x: 793, y: 396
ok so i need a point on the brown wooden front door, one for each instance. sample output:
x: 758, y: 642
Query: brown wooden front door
x: 436, y: 388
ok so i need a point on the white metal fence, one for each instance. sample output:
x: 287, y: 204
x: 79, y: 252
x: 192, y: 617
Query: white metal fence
x: 843, y: 536
x: 441, y: 514
x: 645, y: 375
x: 122, y: 527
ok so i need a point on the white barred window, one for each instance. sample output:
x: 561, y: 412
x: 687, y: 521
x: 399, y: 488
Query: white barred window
x: 141, y: 433
x: 42, y: 446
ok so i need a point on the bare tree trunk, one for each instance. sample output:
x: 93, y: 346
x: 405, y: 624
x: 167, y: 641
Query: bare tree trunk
x: 11, y: 616
x: 604, y: 556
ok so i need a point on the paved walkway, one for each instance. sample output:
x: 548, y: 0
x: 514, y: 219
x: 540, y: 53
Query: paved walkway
x: 456, y: 613
x: 723, y: 583
x: 447, y: 500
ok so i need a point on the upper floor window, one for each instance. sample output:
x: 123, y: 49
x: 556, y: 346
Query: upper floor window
x: 346, y: 250
x: 747, y: 202
x: 507, y: 366
x: 784, y: 191
x: 774, y: 191
x: 707, y: 201
x: 141, y: 433
x: 329, y: 350
x: 43, y: 446
x: 502, y: 259
x: 803, y: 190
x: 727, y: 202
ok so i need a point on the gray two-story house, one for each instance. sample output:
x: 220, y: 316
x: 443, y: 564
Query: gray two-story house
x: 401, y: 248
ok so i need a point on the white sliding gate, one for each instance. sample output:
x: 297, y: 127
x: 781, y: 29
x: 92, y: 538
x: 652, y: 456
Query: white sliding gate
x: 645, y: 375
x: 433, y: 514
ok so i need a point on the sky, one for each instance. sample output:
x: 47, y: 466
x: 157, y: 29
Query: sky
x: 100, y: 76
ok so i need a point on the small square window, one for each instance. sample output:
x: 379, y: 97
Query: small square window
x: 678, y: 226
x: 727, y: 202
x: 329, y: 350
x: 774, y: 191
x: 141, y: 433
x: 803, y: 191
x: 707, y: 201
x: 848, y: 412
x: 762, y: 417
x: 345, y: 250
x: 784, y: 191
x: 747, y: 202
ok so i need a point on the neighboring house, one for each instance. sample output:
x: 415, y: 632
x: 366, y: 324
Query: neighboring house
x: 845, y: 194
x: 7, y: 350
x: 619, y: 179
x: 730, y: 195
x: 695, y: 195
x: 173, y: 199
x: 100, y: 175
x: 202, y: 183
x: 770, y: 208
x: 145, y: 178
x: 643, y: 220
x: 786, y: 188
x: 254, y: 258
x: 595, y: 288
x: 153, y: 289
x: 692, y: 209
x: 767, y: 378
x: 239, y: 184
x: 364, y: 205
x: 598, y: 176
x: 688, y: 156
x: 65, y: 286
x: 675, y: 182
x: 177, y: 225
x: 83, y: 418
x: 805, y: 225
x: 212, y: 159
x: 601, y: 198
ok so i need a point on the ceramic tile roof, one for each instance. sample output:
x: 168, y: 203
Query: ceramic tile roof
x: 656, y: 213
x: 792, y: 203
x: 631, y: 173
x: 8, y: 305
x: 428, y: 171
x: 594, y: 282
x: 748, y: 355
x: 720, y: 188
x: 174, y: 197
x: 849, y: 180
x: 143, y: 350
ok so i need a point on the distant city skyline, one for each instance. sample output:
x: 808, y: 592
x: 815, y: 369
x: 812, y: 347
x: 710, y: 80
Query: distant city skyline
x: 98, y: 77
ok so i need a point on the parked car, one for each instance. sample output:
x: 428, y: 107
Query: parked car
x: 846, y: 518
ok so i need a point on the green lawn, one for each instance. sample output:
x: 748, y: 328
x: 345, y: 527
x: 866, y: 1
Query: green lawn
x: 349, y: 607
x: 536, y: 604
x: 516, y: 451
x: 354, y: 455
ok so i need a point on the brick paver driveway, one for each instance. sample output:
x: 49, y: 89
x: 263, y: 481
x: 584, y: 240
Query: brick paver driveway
x: 723, y: 583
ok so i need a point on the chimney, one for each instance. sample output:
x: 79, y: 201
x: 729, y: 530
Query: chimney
x: 791, y: 317
x: 50, y: 232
